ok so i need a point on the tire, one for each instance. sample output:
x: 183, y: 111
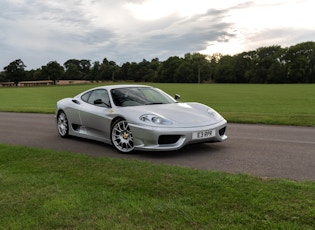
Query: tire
x: 62, y: 124
x: 121, y: 137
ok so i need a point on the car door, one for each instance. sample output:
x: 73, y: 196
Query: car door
x: 95, y: 115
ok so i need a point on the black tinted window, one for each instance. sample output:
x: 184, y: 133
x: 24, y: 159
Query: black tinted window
x: 139, y: 96
x: 97, y: 97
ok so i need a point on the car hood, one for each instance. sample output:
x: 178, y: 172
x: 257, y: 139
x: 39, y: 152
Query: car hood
x: 179, y: 113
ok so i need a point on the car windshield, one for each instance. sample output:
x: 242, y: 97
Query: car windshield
x: 133, y: 96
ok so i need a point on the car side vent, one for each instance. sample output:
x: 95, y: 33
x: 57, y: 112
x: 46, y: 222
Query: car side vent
x: 168, y: 139
x: 76, y: 127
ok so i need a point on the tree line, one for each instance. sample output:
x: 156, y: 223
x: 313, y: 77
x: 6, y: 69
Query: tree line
x: 273, y: 64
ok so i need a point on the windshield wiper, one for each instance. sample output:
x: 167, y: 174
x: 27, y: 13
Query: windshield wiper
x: 155, y: 103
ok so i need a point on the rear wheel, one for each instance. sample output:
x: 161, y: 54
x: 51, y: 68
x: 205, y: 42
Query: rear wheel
x: 121, y: 136
x: 62, y: 124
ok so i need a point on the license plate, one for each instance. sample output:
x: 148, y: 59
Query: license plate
x: 203, y: 134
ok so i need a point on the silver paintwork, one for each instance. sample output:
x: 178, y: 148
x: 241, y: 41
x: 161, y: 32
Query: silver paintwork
x: 95, y: 121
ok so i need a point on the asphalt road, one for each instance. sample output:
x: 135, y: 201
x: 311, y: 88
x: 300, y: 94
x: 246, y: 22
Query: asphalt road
x: 260, y: 150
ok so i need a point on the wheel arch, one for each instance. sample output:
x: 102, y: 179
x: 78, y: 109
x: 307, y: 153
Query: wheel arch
x: 59, y: 111
x: 115, y: 120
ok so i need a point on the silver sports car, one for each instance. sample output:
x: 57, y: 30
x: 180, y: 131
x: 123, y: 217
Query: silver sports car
x: 138, y: 117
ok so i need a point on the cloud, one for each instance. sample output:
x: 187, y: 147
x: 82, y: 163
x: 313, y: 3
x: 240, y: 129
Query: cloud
x: 39, y: 31
x: 173, y: 35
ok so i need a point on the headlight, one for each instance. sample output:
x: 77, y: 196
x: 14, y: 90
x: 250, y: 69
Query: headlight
x: 214, y: 115
x: 150, y: 118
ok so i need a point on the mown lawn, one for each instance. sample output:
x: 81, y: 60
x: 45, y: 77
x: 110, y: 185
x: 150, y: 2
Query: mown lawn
x: 43, y: 189
x: 245, y: 103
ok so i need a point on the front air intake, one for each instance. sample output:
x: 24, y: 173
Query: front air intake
x: 222, y: 131
x: 168, y: 139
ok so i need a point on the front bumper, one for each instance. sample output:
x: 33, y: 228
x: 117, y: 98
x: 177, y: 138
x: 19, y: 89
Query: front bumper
x: 149, y: 138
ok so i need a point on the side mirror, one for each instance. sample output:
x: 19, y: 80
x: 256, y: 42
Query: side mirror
x: 177, y: 97
x: 98, y: 102
x: 101, y: 103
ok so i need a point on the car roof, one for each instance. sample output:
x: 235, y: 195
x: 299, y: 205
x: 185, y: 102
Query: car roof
x: 109, y: 87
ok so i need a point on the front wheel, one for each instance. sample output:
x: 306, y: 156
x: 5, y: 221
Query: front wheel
x: 121, y: 136
x: 62, y: 124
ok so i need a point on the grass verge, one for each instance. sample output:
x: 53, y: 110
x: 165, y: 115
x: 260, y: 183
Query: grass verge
x: 43, y: 189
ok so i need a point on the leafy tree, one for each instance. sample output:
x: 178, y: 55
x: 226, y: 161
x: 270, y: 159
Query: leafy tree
x: 36, y: 75
x: 15, y: 71
x: 76, y: 69
x: 273, y: 64
x: 2, y: 77
x: 154, y: 67
x: 213, y: 62
x: 85, y: 66
x: 168, y: 69
x: 224, y: 72
x: 94, y: 73
x: 311, y: 69
x: 276, y: 73
x: 108, y: 70
x: 200, y: 66
x: 241, y: 63
x: 300, y: 61
x: 144, y: 72
x: 53, y: 71
x: 264, y: 58
x: 133, y: 70
x: 32, y: 74
x: 184, y: 73
x: 125, y: 69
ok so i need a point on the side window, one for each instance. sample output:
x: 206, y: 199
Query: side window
x: 99, y: 97
x: 86, y: 96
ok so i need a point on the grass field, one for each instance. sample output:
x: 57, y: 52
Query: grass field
x: 43, y: 189
x: 244, y: 103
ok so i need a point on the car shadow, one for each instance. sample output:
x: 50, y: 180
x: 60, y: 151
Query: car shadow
x: 100, y: 149
x: 189, y: 150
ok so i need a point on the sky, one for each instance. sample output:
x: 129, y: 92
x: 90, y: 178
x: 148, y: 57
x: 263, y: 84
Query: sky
x: 38, y: 31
